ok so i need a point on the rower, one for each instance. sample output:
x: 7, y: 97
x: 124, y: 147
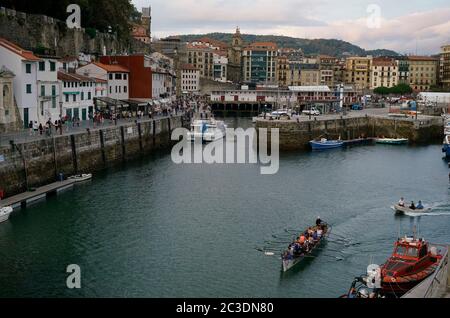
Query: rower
x: 401, y: 202
x: 420, y: 206
x: 318, y: 221
x: 412, y: 206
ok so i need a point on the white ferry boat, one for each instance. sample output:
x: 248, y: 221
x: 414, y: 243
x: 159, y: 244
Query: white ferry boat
x: 207, y: 130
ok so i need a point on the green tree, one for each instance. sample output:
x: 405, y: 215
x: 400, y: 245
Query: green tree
x: 382, y: 90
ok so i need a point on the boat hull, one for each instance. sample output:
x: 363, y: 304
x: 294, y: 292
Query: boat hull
x: 5, y: 213
x: 399, y: 286
x: 392, y: 141
x: 317, y: 145
x: 446, y: 146
x: 402, y: 210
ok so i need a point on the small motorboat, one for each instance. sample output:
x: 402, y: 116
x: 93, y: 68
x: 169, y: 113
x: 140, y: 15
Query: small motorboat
x: 392, y: 141
x: 291, y: 258
x: 446, y: 146
x: 403, y: 210
x: 325, y: 144
x: 81, y: 177
x: 412, y: 261
x: 209, y: 130
x: 5, y: 212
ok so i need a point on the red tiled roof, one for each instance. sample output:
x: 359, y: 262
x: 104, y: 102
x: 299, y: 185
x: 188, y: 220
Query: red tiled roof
x: 383, y: 61
x: 422, y: 58
x: 188, y: 67
x: 112, y: 68
x: 26, y: 55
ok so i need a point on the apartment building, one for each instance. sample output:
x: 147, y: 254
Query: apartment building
x: 445, y: 66
x: 358, y: 72
x: 259, y: 62
x: 423, y: 72
x: 190, y: 79
x: 202, y: 57
x: 384, y: 73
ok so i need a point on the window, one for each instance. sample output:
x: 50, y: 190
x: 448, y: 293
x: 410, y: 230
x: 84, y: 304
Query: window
x: 42, y: 90
x: 42, y: 66
x: 89, y: 96
x: 52, y: 66
x: 82, y: 95
x: 118, y: 76
x: 125, y: 89
x: 28, y: 88
x: 125, y: 76
x: 67, y: 98
x: 28, y: 68
x: 74, y: 98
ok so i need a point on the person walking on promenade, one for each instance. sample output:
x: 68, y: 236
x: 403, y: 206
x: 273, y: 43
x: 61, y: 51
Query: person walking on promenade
x: 41, y: 129
x: 35, y: 127
x: 30, y: 127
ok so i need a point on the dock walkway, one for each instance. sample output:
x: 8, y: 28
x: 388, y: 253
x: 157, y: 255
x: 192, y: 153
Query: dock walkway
x: 21, y: 200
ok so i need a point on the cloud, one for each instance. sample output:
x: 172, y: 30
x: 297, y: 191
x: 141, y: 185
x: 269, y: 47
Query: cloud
x: 399, y: 30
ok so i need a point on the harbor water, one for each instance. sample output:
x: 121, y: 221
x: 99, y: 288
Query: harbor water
x: 152, y: 228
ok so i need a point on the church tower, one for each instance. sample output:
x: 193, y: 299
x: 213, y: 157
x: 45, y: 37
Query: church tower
x: 235, y: 57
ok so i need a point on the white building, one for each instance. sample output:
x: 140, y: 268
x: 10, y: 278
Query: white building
x: 35, y: 83
x: 190, y: 79
x: 116, y: 76
x: 68, y: 64
x: 162, y: 84
x: 78, y: 93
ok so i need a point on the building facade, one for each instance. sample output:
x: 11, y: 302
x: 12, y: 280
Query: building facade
x: 35, y: 82
x: 358, y: 71
x: 423, y: 72
x: 384, y: 73
x: 220, y: 66
x: 190, y: 79
x: 9, y: 115
x: 259, y: 62
x: 202, y: 57
x: 235, y: 52
x: 445, y: 66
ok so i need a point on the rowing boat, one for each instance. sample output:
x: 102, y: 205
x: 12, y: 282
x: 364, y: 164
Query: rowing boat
x: 403, y: 209
x: 289, y: 261
x: 392, y: 141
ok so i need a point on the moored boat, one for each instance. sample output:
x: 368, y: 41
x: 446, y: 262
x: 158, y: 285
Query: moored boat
x: 298, y: 251
x: 446, y: 146
x: 81, y: 177
x: 325, y: 144
x: 412, y: 261
x: 5, y: 212
x: 392, y: 141
x: 207, y: 130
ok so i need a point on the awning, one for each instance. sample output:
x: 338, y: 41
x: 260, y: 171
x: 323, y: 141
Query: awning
x: 71, y: 93
x: 112, y: 102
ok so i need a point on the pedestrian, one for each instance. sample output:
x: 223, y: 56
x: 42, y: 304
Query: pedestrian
x: 41, y: 129
x: 30, y: 127
x: 35, y: 127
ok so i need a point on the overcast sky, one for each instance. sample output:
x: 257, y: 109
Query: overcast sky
x: 405, y: 26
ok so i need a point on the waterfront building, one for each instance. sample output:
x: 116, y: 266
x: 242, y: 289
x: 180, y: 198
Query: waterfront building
x: 140, y: 73
x: 78, y: 93
x: 423, y: 72
x: 116, y: 76
x: 403, y: 69
x: 260, y: 62
x: 384, y: 73
x: 35, y: 82
x: 283, y: 70
x: 445, y: 66
x: 301, y: 74
x: 235, y: 51
x: 190, y: 79
x: 9, y: 115
x: 358, y: 71
x: 327, y: 65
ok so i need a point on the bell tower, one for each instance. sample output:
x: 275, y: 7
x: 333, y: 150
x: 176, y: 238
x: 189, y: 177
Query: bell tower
x: 237, y: 39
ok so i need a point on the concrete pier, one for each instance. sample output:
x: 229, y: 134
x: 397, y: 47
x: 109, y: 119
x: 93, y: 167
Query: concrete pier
x: 296, y: 134
x: 37, y: 162
x: 23, y: 199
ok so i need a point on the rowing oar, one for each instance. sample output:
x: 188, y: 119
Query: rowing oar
x: 335, y: 257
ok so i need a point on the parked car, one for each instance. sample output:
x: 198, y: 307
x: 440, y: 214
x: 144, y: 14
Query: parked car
x: 357, y: 107
x: 311, y: 112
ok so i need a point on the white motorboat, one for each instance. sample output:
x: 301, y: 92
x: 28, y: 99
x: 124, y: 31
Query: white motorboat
x: 207, y: 130
x: 81, y: 177
x: 5, y: 213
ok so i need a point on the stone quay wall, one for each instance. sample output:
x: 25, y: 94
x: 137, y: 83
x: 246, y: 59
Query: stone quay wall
x: 36, y: 163
x: 297, y: 135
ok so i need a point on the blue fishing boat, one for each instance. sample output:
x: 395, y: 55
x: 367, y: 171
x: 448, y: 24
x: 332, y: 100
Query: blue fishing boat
x: 325, y: 144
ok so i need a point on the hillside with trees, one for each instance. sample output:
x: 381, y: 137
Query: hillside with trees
x: 331, y: 47
x: 95, y: 14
